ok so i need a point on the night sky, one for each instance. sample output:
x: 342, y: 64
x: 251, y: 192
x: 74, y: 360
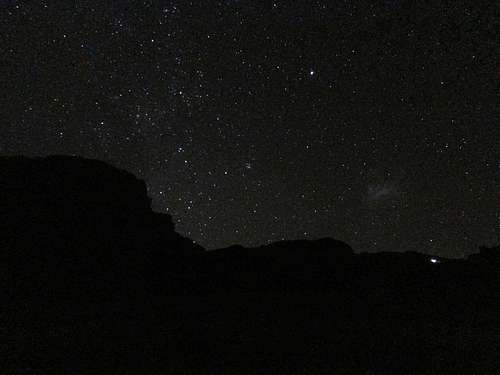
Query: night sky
x: 253, y: 122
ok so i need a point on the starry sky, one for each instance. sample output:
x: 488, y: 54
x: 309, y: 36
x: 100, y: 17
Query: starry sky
x: 373, y: 123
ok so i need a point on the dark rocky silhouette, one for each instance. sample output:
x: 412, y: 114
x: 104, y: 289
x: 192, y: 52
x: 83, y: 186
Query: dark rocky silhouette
x: 93, y: 281
x: 70, y: 222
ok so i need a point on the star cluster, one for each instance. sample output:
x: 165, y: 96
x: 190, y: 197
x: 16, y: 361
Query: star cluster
x: 374, y: 124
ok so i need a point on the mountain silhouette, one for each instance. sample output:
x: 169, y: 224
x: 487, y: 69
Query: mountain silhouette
x: 94, y: 281
x: 74, y: 222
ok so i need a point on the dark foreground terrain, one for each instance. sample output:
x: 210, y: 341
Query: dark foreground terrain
x: 92, y: 281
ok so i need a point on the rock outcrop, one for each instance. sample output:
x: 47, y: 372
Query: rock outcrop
x: 68, y: 223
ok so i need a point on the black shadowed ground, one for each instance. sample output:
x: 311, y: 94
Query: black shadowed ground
x: 93, y: 281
